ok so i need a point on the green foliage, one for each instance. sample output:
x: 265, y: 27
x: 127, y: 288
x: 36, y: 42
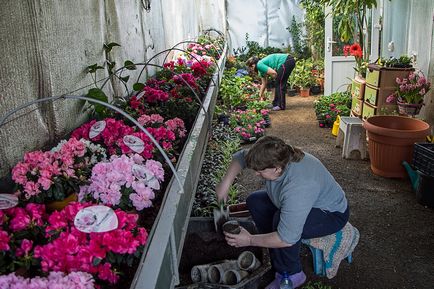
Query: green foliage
x: 404, y: 61
x: 233, y: 88
x: 349, y: 11
x: 98, y: 94
x: 257, y: 104
x: 327, y: 108
x: 314, y: 22
x: 302, y: 75
x: 254, y: 49
x: 234, y: 62
x: 215, y: 44
x: 218, y: 157
x: 100, y: 111
x: 299, y: 48
x: 108, y: 47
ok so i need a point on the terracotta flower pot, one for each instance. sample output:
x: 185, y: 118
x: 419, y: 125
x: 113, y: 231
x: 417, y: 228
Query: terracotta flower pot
x: 391, y: 140
x: 305, y: 92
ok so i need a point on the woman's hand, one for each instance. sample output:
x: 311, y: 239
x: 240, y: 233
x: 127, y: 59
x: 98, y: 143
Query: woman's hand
x: 221, y: 191
x: 243, y: 239
x: 272, y: 72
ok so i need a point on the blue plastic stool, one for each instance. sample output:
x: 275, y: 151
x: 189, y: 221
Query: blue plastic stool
x: 318, y: 260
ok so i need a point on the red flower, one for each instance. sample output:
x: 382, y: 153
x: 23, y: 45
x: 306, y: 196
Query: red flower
x: 347, y: 50
x: 356, y: 50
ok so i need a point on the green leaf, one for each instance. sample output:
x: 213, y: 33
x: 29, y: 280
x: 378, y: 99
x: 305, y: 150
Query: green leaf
x: 129, y: 65
x: 110, y: 65
x: 98, y: 94
x: 58, y: 191
x: 96, y: 261
x: 125, y: 78
x: 109, y: 47
x: 138, y: 86
x: 93, y: 68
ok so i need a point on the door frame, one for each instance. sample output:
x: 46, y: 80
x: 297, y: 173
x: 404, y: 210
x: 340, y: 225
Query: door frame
x: 336, y: 81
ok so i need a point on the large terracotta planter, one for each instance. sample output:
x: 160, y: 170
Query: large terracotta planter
x: 391, y: 140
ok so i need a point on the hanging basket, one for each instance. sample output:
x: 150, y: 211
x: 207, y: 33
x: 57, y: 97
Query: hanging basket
x: 409, y: 109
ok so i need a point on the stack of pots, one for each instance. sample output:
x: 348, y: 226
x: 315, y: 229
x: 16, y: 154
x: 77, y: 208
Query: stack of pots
x: 228, y: 272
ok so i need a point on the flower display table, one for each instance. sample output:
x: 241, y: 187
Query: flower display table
x: 158, y: 267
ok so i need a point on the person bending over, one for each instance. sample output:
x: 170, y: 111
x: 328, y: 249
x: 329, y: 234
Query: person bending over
x: 277, y: 65
x: 301, y: 199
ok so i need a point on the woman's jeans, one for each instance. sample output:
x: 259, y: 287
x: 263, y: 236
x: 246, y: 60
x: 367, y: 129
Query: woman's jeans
x: 281, y: 80
x: 319, y: 223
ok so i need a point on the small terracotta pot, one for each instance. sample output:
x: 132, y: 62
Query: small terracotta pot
x: 391, y: 140
x: 304, y: 92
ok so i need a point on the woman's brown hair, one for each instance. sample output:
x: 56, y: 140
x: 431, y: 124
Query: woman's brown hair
x: 252, y: 60
x: 272, y: 152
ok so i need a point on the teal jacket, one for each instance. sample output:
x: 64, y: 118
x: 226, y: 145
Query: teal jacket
x: 273, y: 61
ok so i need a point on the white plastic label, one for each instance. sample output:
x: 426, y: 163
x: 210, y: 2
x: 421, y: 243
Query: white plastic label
x: 140, y: 95
x: 134, y: 143
x: 97, y: 128
x: 96, y: 219
x: 146, y: 176
x: 8, y: 201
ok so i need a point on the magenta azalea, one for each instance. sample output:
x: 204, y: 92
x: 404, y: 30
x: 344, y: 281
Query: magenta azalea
x: 20, y: 230
x: 105, y: 255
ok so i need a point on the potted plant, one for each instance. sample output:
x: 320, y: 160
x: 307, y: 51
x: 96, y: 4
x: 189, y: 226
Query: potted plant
x: 327, y: 108
x: 361, y: 62
x: 410, y: 93
x: 318, y: 73
x: 302, y: 76
x: 404, y: 61
x: 291, y: 90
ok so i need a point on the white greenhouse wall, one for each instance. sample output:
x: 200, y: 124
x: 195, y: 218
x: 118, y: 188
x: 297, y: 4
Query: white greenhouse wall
x: 47, y: 45
x: 408, y: 28
x: 420, y: 43
x: 264, y: 21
